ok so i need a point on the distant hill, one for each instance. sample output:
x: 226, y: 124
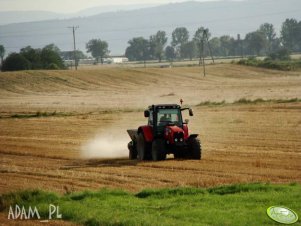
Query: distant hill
x: 109, y: 8
x: 221, y: 17
x: 10, y: 17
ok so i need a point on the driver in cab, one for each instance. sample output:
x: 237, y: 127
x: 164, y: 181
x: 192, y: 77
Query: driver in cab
x: 165, y: 119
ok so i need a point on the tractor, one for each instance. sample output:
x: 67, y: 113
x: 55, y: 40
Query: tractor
x: 165, y: 133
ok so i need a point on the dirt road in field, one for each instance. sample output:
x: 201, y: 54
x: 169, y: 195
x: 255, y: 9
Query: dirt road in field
x: 241, y: 143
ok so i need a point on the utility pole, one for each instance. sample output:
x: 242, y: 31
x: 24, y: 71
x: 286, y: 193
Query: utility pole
x: 205, y: 38
x: 74, y: 45
x: 210, y: 51
x: 203, y: 55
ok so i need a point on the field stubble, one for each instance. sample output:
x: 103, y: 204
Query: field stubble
x: 241, y: 143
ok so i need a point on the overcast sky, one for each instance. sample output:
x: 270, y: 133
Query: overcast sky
x: 68, y: 6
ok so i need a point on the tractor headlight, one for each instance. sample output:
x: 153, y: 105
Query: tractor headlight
x: 176, y: 140
x: 181, y: 139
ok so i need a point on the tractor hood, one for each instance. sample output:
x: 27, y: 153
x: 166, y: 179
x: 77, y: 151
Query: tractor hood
x: 174, y: 129
x: 174, y: 134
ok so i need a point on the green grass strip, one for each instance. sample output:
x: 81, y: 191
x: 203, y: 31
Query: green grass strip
x: 242, y: 204
x: 248, y: 101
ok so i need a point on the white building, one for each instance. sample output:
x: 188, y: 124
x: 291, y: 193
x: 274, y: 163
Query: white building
x: 118, y: 59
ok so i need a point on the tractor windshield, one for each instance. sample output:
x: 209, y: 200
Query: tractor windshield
x: 166, y: 116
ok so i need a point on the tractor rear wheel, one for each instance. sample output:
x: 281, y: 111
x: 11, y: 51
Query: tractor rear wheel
x: 132, y: 150
x: 158, y: 150
x: 141, y: 147
x: 195, y: 148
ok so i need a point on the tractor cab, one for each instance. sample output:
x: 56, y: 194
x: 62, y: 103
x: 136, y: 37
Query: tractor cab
x: 160, y: 116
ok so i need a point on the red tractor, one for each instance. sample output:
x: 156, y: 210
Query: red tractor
x: 165, y: 133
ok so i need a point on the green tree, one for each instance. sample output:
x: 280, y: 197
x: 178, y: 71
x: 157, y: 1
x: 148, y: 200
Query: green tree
x: 157, y: 43
x: 225, y: 44
x: 2, y: 53
x: 233, y: 47
x: 50, y: 58
x: 215, y: 44
x: 180, y: 37
x: 29, y: 58
x: 170, y: 53
x: 139, y: 49
x: 98, y: 49
x: 282, y: 54
x: 188, y: 50
x: 291, y: 34
x: 269, y: 32
x: 52, y: 47
x: 200, y: 38
x: 276, y: 45
x: 15, y: 62
x: 80, y: 55
x: 256, y: 42
x: 33, y: 56
x: 69, y: 55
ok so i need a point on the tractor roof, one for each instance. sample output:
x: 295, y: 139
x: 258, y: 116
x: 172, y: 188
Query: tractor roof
x: 162, y: 106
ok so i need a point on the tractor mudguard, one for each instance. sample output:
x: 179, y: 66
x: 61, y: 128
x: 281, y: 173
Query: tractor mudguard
x: 193, y: 136
x: 147, y: 132
x: 186, y: 132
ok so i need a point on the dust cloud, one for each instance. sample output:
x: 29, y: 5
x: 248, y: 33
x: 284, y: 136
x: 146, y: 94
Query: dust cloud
x: 107, y: 144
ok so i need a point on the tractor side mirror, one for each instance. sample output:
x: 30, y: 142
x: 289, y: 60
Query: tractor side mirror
x: 146, y: 113
x: 190, y: 112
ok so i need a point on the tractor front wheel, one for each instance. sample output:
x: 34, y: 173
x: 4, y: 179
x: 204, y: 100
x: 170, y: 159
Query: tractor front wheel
x: 195, y: 148
x: 158, y: 150
x: 180, y: 155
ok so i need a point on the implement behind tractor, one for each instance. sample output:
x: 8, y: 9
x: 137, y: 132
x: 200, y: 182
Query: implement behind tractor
x: 165, y: 133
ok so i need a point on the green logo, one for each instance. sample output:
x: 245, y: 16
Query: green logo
x: 282, y: 214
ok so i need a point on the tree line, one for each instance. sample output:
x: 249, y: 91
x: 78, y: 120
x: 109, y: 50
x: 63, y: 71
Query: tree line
x: 50, y: 57
x: 32, y: 59
x: 263, y: 41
